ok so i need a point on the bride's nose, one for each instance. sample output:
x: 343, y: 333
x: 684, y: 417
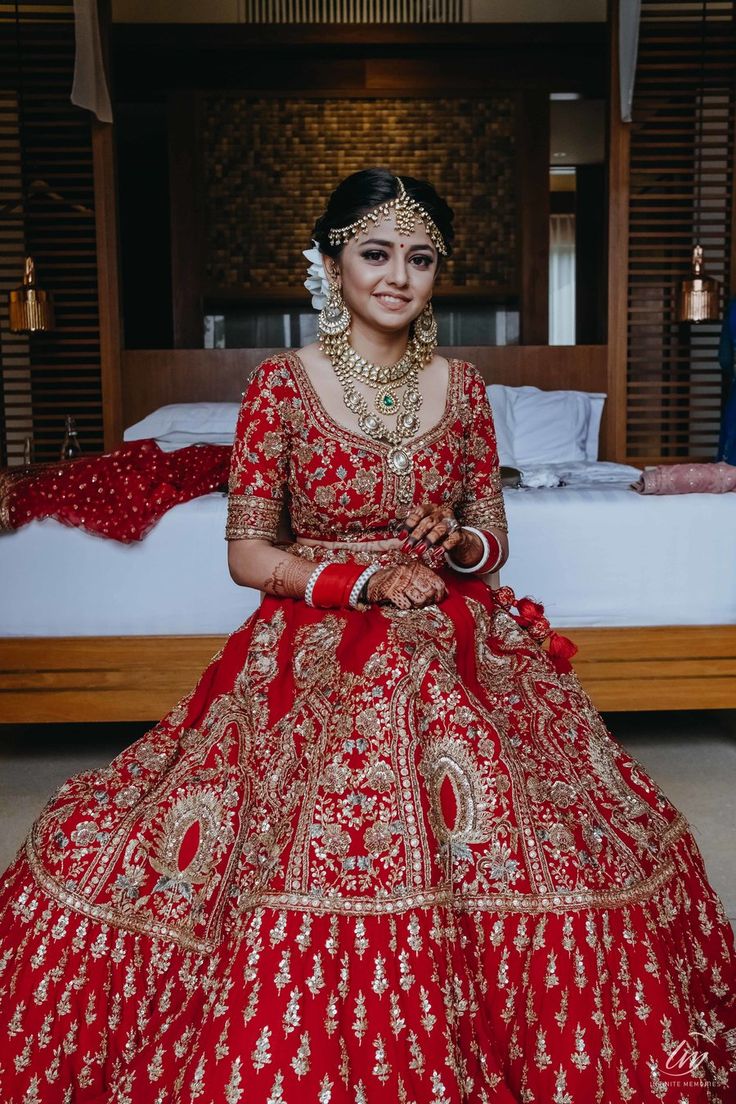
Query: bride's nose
x: 398, y: 274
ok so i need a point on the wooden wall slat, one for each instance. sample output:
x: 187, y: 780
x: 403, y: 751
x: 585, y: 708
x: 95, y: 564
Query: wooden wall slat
x: 47, y: 375
x: 672, y: 376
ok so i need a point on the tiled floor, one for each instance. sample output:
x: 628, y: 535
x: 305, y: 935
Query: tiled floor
x: 692, y: 755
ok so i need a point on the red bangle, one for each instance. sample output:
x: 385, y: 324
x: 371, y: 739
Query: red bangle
x: 494, y: 555
x: 334, y: 584
x: 490, y: 559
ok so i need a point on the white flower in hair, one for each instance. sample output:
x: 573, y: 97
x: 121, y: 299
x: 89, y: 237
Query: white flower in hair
x: 316, y: 283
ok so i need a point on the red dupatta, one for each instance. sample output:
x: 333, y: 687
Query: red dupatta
x: 120, y: 495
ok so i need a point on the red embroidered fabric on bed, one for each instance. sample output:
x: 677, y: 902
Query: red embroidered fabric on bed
x: 120, y: 495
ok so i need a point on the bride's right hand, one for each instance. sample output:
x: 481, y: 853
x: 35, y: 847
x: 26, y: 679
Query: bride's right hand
x: 406, y: 585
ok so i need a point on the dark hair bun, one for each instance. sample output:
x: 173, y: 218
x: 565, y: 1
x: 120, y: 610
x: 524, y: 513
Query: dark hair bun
x: 363, y: 191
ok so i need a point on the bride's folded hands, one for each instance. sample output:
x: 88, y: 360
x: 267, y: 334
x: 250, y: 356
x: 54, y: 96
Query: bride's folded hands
x: 427, y: 526
x: 257, y: 563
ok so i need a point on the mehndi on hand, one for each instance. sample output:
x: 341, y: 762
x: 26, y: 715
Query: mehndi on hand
x: 406, y: 585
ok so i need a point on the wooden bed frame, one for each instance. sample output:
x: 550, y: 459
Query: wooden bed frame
x: 139, y: 678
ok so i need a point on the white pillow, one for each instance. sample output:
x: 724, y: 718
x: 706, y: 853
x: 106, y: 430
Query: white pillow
x: 548, y: 427
x: 499, y: 407
x: 597, y: 402
x: 180, y: 424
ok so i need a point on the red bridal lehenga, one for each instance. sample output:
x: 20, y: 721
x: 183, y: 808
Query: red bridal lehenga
x: 374, y: 855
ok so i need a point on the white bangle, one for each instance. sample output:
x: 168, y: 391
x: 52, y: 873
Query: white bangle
x: 311, y: 581
x: 481, y: 561
x: 358, y: 585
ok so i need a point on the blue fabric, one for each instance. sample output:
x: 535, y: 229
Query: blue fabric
x: 727, y: 440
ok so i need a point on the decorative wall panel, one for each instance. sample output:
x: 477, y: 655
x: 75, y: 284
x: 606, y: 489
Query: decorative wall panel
x: 271, y: 163
x: 353, y: 11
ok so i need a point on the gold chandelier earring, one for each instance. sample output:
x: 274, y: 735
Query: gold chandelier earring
x: 334, y: 319
x: 425, y: 330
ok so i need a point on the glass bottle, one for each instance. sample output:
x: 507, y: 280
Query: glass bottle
x: 70, y: 448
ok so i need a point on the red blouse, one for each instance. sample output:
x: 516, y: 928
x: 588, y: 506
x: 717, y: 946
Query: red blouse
x: 289, y: 453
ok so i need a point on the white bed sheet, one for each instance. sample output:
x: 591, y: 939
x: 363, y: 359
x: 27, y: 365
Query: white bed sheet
x: 601, y: 554
x: 595, y: 554
x: 66, y: 582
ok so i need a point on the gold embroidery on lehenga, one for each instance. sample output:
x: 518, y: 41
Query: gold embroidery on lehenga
x: 314, y: 660
x: 199, y: 819
x: 424, y: 733
x: 315, y: 786
x: 456, y: 784
x: 399, y: 751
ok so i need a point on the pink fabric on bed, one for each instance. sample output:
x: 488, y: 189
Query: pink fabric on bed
x: 687, y: 479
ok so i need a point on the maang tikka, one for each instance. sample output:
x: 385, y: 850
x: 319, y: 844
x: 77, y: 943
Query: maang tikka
x: 406, y: 212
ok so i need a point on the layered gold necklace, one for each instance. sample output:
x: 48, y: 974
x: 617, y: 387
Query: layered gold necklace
x: 385, y: 379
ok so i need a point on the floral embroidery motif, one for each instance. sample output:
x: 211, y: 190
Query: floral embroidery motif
x: 377, y: 789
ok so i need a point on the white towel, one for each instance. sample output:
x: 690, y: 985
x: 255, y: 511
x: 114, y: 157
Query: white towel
x: 540, y: 475
x: 577, y: 473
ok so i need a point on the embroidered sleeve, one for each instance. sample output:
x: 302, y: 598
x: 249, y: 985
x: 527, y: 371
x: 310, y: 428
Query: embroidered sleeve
x: 482, y: 502
x: 260, y: 457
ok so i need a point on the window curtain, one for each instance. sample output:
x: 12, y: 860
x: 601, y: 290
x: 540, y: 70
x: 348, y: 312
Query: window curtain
x: 629, y: 13
x: 89, y: 87
x: 562, y: 280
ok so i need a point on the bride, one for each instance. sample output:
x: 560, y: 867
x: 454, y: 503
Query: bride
x: 385, y: 849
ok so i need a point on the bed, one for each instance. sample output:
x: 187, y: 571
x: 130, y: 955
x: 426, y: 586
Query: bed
x: 640, y: 582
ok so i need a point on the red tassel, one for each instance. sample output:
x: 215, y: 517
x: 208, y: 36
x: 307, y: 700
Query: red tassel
x: 531, y: 617
x: 561, y: 648
x: 529, y: 610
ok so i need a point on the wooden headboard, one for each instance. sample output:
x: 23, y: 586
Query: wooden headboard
x: 155, y: 377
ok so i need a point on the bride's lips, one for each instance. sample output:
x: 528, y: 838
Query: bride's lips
x: 392, y: 304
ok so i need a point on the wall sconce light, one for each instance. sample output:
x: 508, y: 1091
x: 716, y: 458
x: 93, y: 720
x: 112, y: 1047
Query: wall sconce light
x: 699, y: 299
x: 30, y: 308
x: 699, y: 296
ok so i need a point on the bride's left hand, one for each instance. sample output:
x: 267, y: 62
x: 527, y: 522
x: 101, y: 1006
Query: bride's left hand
x: 427, y: 527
